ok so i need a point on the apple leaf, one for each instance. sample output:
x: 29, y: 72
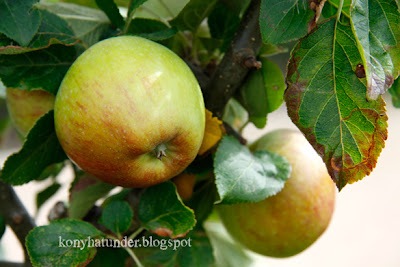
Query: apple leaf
x: 106, y: 257
x: 38, y: 69
x: 345, y: 8
x: 202, y: 201
x: 395, y: 92
x: 2, y: 226
x: 212, y: 133
x: 326, y: 100
x: 46, y: 193
x: 162, y: 212
x: 284, y: 21
x: 151, y: 29
x: 376, y: 26
x: 111, y: 9
x: 133, y: 5
x: 193, y: 250
x: 84, y: 193
x: 117, y: 217
x: 223, y: 24
x: 227, y: 251
x: 235, y: 114
x: 20, y: 20
x: 193, y: 14
x: 236, y: 6
x: 62, y: 243
x: 242, y: 176
x: 88, y: 24
x: 40, y: 150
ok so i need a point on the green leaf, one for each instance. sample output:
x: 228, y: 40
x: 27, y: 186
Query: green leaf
x: 133, y: 5
x: 47, y: 193
x: 151, y: 29
x: 223, y: 24
x: 106, y: 257
x: 2, y: 226
x: 245, y: 177
x: 227, y: 251
x: 162, y: 212
x: 154, y: 9
x: 284, y: 21
x: 326, y: 100
x: 345, y: 8
x: 51, y: 171
x: 376, y: 26
x: 395, y: 92
x: 262, y: 92
x: 235, y: 114
x: 202, y: 201
x: 62, y: 243
x: 19, y: 20
x: 88, y: 24
x: 120, y: 196
x: 38, y: 69
x: 194, y: 250
x: 236, y: 6
x: 52, y: 30
x: 40, y: 150
x: 193, y: 14
x: 84, y: 193
x: 253, y: 97
x: 112, y: 12
x: 271, y: 50
x: 117, y: 217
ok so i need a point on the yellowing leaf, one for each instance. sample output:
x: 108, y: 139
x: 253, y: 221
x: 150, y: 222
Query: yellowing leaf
x: 212, y: 134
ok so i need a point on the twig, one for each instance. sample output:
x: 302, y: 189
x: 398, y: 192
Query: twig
x: 15, y: 215
x: 236, y: 63
x: 12, y: 264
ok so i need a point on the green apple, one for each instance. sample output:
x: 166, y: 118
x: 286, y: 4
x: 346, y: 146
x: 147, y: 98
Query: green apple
x: 289, y: 222
x: 130, y: 112
x: 26, y: 107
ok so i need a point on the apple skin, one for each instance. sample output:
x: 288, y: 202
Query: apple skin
x: 130, y: 112
x: 26, y: 107
x: 287, y: 223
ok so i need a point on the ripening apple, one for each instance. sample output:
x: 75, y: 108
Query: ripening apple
x: 26, y: 107
x: 287, y: 223
x: 130, y: 112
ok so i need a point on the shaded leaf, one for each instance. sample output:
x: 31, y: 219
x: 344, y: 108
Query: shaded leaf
x: 245, y: 177
x: 270, y: 50
x: 19, y: 20
x: 40, y: 150
x: 395, y: 92
x: 193, y: 250
x: 212, y: 133
x: 274, y: 83
x: 151, y: 29
x: 106, y: 257
x: 48, y: 245
x: 162, y: 212
x: 326, y: 100
x: 236, y: 6
x: 376, y: 26
x: 45, y: 194
x: 193, y: 14
x: 223, y: 24
x: 202, y: 201
x: 117, y: 216
x: 111, y: 9
x: 38, y: 69
x: 120, y: 196
x: 84, y: 193
x: 284, y: 21
x: 88, y: 24
x: 51, y: 171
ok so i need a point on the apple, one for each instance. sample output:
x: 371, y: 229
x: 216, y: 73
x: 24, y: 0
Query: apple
x: 287, y: 223
x: 130, y: 112
x: 26, y: 107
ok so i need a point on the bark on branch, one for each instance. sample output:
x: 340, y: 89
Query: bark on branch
x: 236, y: 63
x: 15, y: 215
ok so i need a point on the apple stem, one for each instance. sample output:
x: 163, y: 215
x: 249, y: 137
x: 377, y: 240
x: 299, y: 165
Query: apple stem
x: 159, y: 151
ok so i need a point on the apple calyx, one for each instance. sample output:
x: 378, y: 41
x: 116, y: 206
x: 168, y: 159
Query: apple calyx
x: 159, y: 151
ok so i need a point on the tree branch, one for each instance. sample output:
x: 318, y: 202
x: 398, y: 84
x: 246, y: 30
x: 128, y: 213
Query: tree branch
x: 12, y: 264
x: 15, y: 215
x: 236, y: 63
